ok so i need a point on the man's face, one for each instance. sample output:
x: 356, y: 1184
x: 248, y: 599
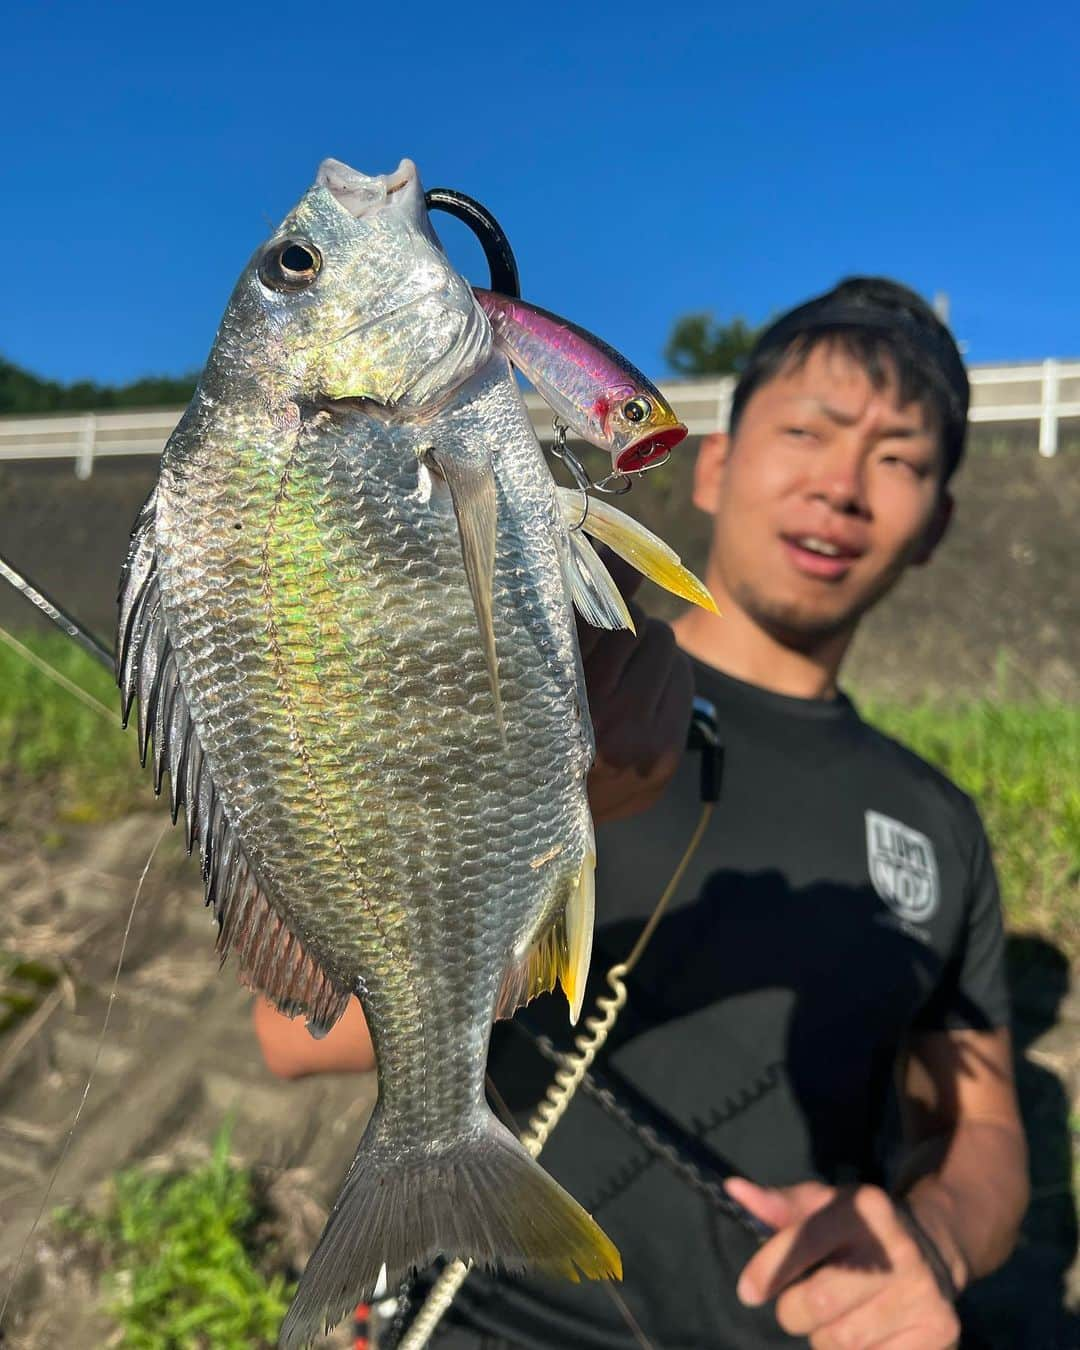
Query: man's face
x: 828, y: 491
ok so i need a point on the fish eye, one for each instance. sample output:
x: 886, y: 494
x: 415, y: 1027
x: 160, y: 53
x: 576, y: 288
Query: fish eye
x: 637, y: 409
x: 290, y: 265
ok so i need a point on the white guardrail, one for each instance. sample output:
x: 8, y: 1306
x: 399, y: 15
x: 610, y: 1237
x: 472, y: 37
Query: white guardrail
x: 1044, y: 393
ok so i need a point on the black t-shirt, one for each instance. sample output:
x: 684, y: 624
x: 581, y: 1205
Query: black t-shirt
x: 842, y: 897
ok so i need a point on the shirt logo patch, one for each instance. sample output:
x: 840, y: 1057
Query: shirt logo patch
x: 903, y: 868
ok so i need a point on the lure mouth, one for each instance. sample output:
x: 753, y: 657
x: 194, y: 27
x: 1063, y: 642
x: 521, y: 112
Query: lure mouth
x: 650, y: 450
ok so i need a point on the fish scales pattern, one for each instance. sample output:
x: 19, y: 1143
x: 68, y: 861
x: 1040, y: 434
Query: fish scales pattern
x: 331, y: 660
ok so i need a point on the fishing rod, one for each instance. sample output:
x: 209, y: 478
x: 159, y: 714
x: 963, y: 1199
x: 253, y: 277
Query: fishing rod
x: 53, y: 611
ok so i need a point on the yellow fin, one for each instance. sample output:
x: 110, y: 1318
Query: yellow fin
x: 638, y: 545
x: 578, y: 920
x: 561, y: 953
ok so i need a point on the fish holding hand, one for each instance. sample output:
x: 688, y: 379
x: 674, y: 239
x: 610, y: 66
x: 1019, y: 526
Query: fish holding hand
x: 346, y: 617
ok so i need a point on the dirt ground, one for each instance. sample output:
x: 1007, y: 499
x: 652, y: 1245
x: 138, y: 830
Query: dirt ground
x: 180, y: 1056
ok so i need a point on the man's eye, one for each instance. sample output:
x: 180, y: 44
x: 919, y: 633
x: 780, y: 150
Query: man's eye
x: 800, y: 433
x: 907, y: 465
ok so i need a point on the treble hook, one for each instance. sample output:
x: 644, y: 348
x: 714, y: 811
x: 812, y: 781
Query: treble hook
x: 582, y: 482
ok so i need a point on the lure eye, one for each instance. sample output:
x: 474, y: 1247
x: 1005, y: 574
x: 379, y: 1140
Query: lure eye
x: 637, y: 409
x: 290, y: 265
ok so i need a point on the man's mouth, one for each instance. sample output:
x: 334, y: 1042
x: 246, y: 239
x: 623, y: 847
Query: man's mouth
x: 816, y: 556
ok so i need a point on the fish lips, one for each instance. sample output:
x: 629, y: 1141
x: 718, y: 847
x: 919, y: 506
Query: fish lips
x: 361, y: 194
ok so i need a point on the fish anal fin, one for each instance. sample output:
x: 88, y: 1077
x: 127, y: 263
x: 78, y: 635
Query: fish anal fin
x: 594, y: 593
x: 560, y: 954
x: 474, y: 495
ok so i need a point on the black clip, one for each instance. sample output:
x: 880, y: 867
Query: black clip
x: 704, y: 736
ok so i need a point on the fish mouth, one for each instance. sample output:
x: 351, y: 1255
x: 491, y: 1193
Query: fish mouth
x: 361, y: 194
x: 650, y: 450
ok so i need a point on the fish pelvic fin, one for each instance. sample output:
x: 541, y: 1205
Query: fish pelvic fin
x: 639, y: 546
x: 596, y: 597
x: 561, y: 953
x: 474, y: 495
x: 483, y: 1199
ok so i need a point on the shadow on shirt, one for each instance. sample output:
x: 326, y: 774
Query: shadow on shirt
x: 823, y: 981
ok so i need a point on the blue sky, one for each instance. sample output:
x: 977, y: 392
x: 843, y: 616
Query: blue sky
x: 646, y: 160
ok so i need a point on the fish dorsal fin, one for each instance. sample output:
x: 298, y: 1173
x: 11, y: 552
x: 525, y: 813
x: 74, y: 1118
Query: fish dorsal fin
x: 561, y: 953
x: 271, y: 958
x: 639, y: 546
x: 474, y: 496
x: 596, y: 597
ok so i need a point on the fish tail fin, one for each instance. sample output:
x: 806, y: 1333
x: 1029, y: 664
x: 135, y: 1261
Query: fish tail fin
x: 483, y: 1199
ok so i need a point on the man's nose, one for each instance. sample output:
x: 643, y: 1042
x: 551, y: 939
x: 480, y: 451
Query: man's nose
x: 839, y: 480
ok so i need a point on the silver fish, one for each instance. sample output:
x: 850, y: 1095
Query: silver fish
x: 346, y: 619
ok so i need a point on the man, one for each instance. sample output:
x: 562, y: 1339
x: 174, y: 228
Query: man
x: 838, y: 925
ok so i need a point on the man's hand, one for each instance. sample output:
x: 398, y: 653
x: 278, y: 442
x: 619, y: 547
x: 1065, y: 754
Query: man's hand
x: 844, y: 1269
x: 641, y: 692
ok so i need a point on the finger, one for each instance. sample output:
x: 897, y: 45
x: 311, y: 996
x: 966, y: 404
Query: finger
x: 780, y: 1205
x: 826, y: 1295
x: 925, y: 1337
x: 796, y: 1250
x: 771, y: 1207
x: 900, y: 1308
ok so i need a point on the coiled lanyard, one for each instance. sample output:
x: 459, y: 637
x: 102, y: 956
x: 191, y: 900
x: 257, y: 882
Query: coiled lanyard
x: 575, y: 1066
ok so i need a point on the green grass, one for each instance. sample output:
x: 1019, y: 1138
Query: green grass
x: 178, y: 1253
x: 49, y: 738
x: 1021, y: 764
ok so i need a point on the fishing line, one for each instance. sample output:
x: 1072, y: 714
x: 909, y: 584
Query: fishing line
x: 90, y: 1078
x: 567, y: 1079
x: 50, y: 672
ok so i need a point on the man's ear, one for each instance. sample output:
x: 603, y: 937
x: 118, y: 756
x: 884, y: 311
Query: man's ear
x: 937, y: 529
x: 709, y: 471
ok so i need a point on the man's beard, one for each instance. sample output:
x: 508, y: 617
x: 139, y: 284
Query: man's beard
x: 790, y: 624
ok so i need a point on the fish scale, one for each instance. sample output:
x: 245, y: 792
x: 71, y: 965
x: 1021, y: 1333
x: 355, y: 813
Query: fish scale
x: 487, y: 810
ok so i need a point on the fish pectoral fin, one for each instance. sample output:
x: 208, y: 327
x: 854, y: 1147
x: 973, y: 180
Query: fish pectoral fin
x: 474, y: 496
x: 596, y: 597
x: 561, y: 953
x: 639, y: 546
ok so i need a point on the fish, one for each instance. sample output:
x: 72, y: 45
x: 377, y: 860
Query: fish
x: 346, y: 627
x: 593, y: 388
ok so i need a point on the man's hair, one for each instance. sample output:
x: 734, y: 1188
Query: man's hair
x: 892, y: 333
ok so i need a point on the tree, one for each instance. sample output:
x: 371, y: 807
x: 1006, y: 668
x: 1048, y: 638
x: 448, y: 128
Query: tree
x: 701, y: 345
x: 23, y: 392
